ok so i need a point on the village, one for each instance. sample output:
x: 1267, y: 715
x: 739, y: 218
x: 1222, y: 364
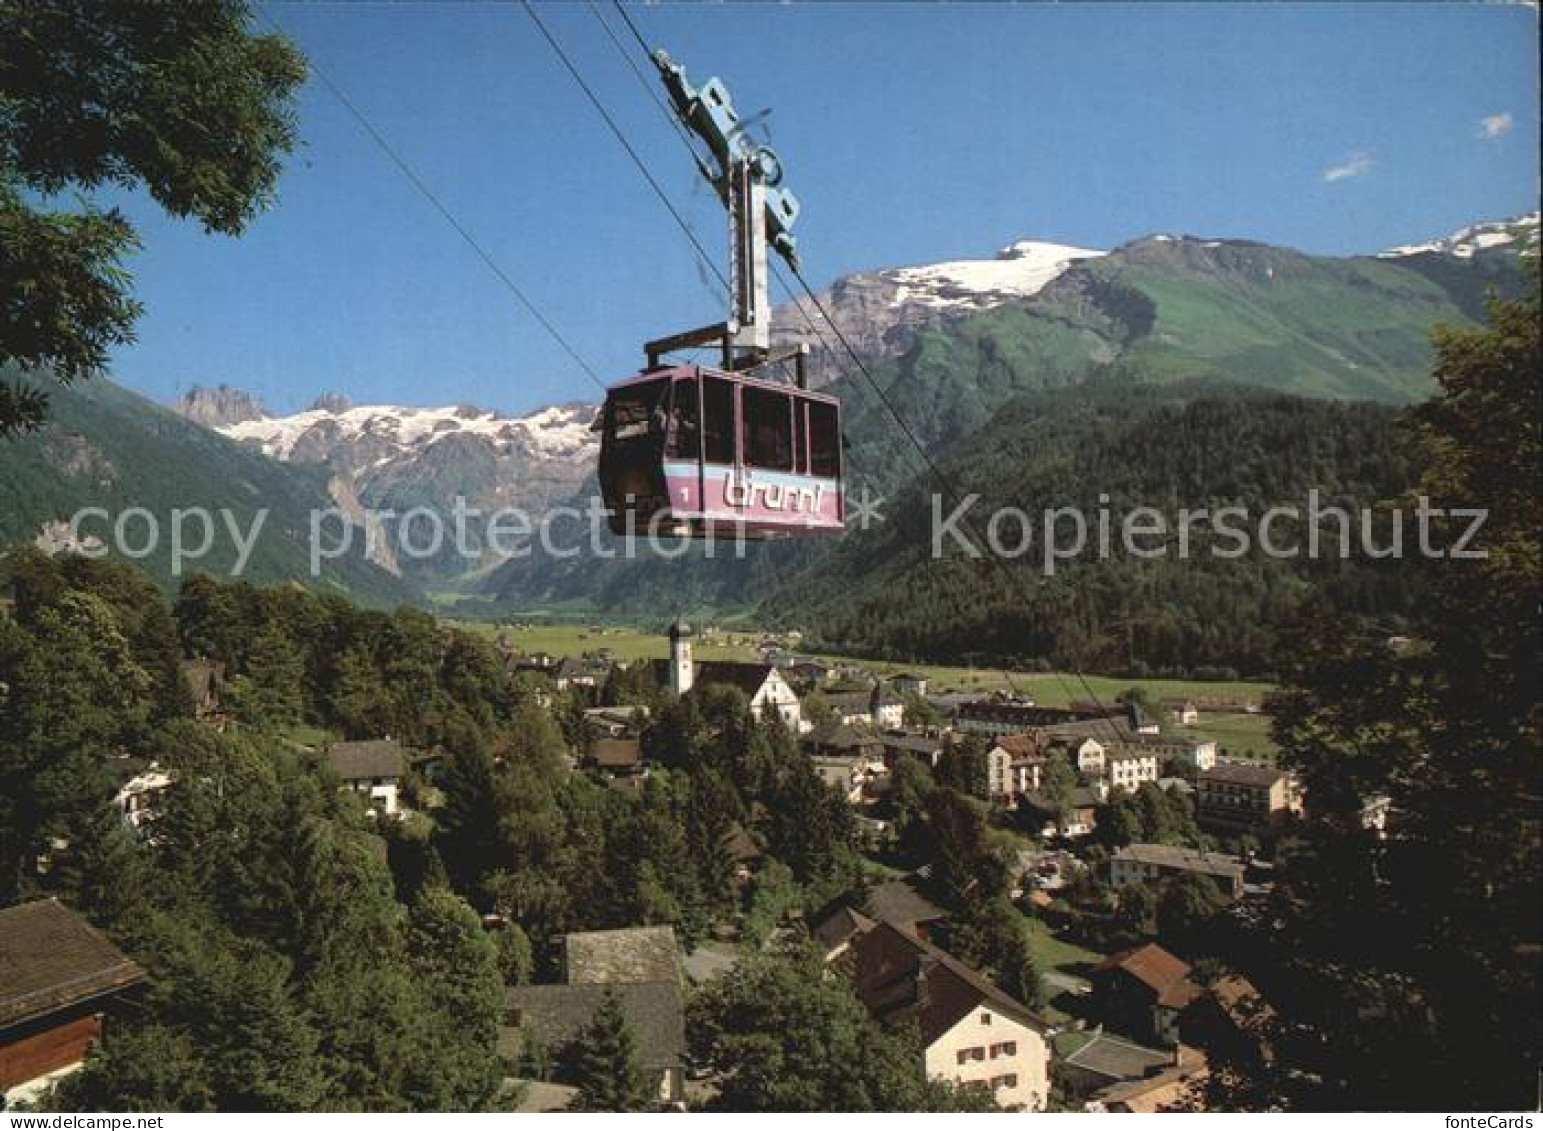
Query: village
x: 1117, y: 831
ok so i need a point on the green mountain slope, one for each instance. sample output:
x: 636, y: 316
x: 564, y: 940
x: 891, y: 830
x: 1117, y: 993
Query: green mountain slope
x: 1160, y: 311
x: 110, y: 448
x: 1170, y: 447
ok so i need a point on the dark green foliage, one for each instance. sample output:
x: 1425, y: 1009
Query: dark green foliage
x: 1185, y: 904
x: 602, y: 1062
x: 1408, y: 966
x: 1152, y: 815
x: 882, y: 592
x: 963, y: 767
x: 456, y: 965
x: 99, y: 95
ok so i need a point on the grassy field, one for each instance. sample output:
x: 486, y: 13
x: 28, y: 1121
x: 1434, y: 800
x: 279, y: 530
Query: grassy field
x: 1053, y: 689
x: 1237, y: 735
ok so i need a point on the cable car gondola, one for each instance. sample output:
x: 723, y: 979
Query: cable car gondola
x: 700, y: 450
x: 689, y: 449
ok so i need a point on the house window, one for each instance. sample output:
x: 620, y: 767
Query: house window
x: 985, y: 1019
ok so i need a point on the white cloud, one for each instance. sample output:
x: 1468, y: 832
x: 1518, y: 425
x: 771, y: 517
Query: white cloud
x: 1356, y: 165
x: 1494, y: 126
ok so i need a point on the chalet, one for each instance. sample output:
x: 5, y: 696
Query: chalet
x: 888, y: 708
x: 584, y: 671
x: 1143, y: 990
x: 536, y: 663
x: 617, y: 756
x: 838, y: 929
x: 971, y: 1032
x: 807, y: 675
x: 925, y: 748
x: 1246, y: 797
x: 909, y: 683
x: 1158, y: 864
x: 371, y: 769
x: 60, y: 981
x: 841, y: 740
x: 1079, y: 818
x: 900, y: 902
x: 615, y: 722
x: 1184, y: 712
x: 641, y: 967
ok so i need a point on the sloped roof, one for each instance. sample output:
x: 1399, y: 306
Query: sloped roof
x: 899, y: 901
x: 840, y: 736
x: 840, y: 926
x: 1150, y: 964
x: 629, y: 954
x: 1180, y: 995
x: 51, y: 958
x: 1022, y: 745
x: 1242, y: 773
x: 376, y: 758
x: 617, y: 753
x: 557, y: 1013
x: 748, y: 677
x: 1118, y: 1059
x: 902, y: 977
x: 1187, y: 859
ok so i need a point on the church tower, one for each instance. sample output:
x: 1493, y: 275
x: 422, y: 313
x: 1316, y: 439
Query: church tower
x: 682, y: 673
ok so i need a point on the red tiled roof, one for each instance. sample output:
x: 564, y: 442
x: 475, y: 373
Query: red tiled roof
x: 1149, y: 964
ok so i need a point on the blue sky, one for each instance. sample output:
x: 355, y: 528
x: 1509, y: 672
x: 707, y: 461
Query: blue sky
x: 911, y: 134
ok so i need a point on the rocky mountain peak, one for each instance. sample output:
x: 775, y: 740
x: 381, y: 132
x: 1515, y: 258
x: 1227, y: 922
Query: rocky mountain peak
x: 219, y: 407
x: 333, y: 402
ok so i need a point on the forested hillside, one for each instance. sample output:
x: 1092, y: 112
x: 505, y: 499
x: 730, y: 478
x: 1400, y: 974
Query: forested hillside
x: 1118, y: 448
x: 1198, y: 314
x: 107, y: 447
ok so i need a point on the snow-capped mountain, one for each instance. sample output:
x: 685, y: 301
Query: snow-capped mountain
x: 880, y: 312
x: 396, y: 458
x: 1514, y: 234
x: 369, y: 436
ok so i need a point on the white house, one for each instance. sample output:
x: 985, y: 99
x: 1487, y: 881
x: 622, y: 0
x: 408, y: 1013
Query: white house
x: 139, y: 799
x: 1127, y: 768
x: 1088, y: 756
x: 372, y: 769
x: 971, y: 1032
